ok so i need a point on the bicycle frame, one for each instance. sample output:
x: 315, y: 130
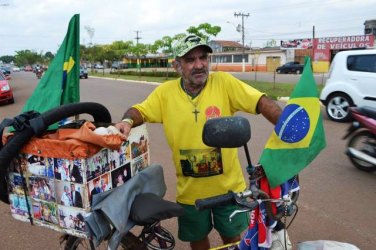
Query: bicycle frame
x: 232, y: 132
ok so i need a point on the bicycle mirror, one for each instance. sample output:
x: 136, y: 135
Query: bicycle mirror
x: 226, y: 132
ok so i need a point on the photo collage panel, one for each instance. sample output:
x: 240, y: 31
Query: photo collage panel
x: 60, y: 191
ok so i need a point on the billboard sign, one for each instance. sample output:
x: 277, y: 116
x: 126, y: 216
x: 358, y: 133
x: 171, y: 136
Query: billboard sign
x: 305, y: 43
x: 344, y: 42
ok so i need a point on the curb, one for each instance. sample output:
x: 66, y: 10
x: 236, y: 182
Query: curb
x: 125, y: 80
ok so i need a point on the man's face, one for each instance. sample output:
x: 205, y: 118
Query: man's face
x: 194, y: 67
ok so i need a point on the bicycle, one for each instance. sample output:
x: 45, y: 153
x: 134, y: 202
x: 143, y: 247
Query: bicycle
x: 147, y: 210
x: 153, y: 235
x: 234, y: 132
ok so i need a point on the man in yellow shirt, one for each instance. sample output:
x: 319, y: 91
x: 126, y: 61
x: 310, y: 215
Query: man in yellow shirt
x: 183, y: 106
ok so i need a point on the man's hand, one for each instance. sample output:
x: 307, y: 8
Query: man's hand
x: 124, y: 128
x: 131, y: 118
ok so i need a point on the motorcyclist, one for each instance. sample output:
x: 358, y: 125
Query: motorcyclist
x: 38, y: 71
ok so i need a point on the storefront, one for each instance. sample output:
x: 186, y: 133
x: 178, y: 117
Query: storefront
x: 324, y: 49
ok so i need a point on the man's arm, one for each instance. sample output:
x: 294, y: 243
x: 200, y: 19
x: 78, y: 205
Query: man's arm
x: 131, y: 118
x: 269, y: 109
x: 135, y: 115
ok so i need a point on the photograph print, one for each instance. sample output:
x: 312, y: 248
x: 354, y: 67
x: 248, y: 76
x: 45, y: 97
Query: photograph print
x: 121, y: 175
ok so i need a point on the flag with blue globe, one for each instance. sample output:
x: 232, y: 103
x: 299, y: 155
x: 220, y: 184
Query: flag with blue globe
x: 298, y: 136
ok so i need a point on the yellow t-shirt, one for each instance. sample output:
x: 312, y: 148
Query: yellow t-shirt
x: 201, y: 171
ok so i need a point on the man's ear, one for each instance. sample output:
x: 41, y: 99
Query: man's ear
x: 175, y: 64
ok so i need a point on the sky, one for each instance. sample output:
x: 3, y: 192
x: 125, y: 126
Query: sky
x: 40, y: 26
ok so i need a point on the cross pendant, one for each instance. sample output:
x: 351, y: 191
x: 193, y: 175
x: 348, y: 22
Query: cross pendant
x: 195, y: 112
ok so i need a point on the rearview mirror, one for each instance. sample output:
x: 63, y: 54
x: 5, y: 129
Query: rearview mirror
x: 226, y: 132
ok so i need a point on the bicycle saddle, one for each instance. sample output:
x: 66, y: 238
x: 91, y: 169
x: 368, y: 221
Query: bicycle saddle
x: 148, y: 208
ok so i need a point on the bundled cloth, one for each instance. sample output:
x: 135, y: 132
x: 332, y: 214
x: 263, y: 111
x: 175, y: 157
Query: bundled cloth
x: 259, y: 233
x: 112, y: 208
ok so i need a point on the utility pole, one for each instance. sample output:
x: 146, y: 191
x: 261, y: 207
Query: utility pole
x: 242, y: 15
x: 138, y: 53
x: 137, y: 37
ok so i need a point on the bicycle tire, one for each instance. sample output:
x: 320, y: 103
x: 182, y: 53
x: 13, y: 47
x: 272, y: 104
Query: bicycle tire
x: 128, y: 242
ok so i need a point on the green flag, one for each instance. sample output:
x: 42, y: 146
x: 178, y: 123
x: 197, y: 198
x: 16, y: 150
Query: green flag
x: 298, y: 136
x: 60, y: 83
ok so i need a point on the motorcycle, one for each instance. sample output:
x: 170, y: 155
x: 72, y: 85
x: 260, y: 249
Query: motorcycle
x: 361, y: 147
x: 39, y: 73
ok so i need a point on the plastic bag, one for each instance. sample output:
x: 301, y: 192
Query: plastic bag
x: 325, y: 245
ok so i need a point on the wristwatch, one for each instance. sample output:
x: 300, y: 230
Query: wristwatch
x: 128, y: 120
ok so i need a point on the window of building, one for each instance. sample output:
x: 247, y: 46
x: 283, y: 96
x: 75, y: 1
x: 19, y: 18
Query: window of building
x: 238, y: 58
x: 222, y: 59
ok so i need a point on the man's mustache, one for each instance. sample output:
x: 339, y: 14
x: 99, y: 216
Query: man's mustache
x: 200, y: 71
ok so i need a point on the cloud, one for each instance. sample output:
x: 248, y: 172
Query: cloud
x: 41, y: 25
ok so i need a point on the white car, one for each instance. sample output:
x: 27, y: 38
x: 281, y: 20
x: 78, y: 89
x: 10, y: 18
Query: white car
x: 351, y: 82
x: 16, y: 69
x: 98, y: 66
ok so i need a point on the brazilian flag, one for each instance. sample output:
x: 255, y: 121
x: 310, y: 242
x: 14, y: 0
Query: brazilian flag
x: 298, y: 136
x: 60, y: 83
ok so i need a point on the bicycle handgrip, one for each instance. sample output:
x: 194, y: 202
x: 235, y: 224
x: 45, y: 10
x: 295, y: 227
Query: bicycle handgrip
x: 215, y: 201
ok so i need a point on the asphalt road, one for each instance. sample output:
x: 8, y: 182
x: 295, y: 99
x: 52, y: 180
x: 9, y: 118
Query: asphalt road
x: 336, y: 202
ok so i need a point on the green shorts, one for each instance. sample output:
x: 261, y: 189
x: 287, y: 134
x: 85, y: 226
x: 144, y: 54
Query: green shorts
x: 196, y: 225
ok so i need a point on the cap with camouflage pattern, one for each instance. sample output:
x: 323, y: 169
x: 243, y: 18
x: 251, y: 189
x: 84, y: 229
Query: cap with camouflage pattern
x: 188, y: 43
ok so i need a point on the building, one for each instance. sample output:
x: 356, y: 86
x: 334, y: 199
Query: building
x: 228, y: 56
x: 147, y: 61
x: 370, y: 27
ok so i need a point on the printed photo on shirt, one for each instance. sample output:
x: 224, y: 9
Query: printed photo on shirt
x: 201, y: 162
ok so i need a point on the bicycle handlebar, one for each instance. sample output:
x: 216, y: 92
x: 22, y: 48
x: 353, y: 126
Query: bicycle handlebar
x: 219, y: 200
x: 240, y: 199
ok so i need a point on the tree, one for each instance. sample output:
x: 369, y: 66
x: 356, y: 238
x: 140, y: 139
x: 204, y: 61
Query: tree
x: 49, y: 56
x: 166, y: 43
x: 27, y: 57
x: 121, y: 48
x: 204, y: 30
x: 7, y: 59
x: 117, y: 49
